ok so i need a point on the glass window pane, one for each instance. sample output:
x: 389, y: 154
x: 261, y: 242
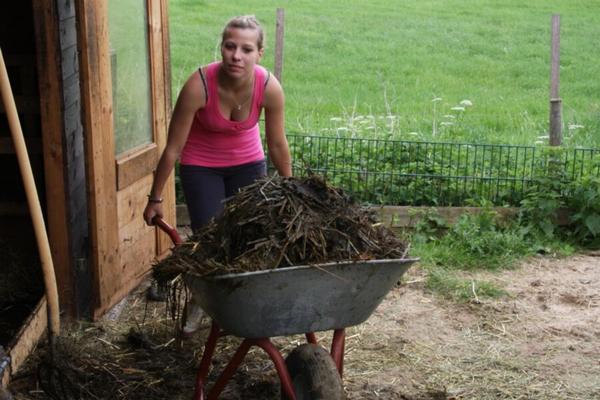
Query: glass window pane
x: 130, y: 65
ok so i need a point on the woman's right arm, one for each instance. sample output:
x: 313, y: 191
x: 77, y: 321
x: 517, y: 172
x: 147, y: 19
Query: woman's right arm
x: 190, y: 100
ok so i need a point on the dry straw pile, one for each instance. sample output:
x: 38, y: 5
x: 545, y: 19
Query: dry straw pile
x: 278, y: 222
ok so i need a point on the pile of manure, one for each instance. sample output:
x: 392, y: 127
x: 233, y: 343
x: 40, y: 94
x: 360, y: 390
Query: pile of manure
x: 278, y: 222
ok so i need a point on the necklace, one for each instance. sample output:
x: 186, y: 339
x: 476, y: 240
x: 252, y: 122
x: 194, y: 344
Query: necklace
x: 243, y: 103
x: 239, y: 106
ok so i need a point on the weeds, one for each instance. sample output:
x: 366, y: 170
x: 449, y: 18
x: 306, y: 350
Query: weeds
x: 481, y: 241
x: 448, y: 284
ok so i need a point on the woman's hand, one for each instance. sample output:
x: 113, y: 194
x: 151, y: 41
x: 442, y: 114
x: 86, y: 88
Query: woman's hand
x: 152, y: 210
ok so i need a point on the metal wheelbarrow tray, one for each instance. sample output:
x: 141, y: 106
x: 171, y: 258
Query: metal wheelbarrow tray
x: 299, y: 299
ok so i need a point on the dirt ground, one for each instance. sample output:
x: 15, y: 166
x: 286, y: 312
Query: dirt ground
x: 541, y: 341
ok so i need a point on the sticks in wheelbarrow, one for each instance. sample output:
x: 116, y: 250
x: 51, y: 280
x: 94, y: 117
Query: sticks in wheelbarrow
x: 32, y: 200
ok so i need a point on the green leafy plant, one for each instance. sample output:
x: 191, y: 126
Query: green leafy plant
x: 584, y: 200
x: 429, y: 225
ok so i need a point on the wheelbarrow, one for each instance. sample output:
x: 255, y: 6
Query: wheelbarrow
x: 257, y: 306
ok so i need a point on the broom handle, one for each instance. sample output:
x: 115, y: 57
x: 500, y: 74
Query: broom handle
x: 32, y: 199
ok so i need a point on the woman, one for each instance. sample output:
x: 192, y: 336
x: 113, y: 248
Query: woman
x: 214, y: 128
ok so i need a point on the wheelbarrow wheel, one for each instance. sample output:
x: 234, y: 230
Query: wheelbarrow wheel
x: 314, y: 374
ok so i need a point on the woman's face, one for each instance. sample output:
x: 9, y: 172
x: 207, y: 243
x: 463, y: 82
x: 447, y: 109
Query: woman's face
x: 240, y: 51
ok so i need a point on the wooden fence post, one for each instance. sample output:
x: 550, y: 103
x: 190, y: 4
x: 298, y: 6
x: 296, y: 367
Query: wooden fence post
x: 279, y: 43
x: 555, y: 101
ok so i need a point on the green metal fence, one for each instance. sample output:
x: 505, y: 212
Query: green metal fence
x: 397, y: 172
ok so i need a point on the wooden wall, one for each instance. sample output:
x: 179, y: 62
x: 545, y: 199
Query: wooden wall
x: 64, y: 156
x: 59, y: 61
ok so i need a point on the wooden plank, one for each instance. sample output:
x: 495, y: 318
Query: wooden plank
x: 555, y: 131
x: 136, y: 164
x: 137, y: 241
x: 166, y: 58
x: 279, y: 31
x: 26, y: 339
x: 132, y: 200
x: 50, y: 89
x: 555, y: 57
x: 92, y: 17
x: 408, y: 216
x: 161, y: 107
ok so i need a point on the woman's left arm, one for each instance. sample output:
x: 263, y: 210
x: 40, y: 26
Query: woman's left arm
x: 277, y: 144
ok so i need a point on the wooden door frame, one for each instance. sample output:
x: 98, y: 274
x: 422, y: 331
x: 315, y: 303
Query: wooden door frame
x: 106, y: 174
x: 51, y: 91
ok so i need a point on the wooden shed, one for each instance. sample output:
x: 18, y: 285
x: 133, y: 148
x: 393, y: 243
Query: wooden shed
x: 91, y: 82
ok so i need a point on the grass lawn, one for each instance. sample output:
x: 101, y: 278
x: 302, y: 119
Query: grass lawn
x: 401, y: 69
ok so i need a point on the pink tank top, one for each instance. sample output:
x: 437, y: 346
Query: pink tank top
x: 215, y: 141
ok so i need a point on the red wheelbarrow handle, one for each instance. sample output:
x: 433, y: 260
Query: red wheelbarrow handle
x: 168, y: 229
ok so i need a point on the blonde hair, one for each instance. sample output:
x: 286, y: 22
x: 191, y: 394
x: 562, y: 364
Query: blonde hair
x: 245, y: 22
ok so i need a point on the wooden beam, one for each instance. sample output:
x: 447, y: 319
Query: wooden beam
x: 279, y: 31
x: 555, y: 101
x: 136, y: 241
x: 408, y: 216
x: 92, y: 17
x: 555, y: 58
x: 51, y: 95
x: 26, y: 340
x: 134, y: 165
x: 161, y: 107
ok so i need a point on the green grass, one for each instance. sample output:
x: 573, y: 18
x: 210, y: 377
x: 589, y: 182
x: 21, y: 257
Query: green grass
x: 352, y: 58
x: 453, y: 255
x: 452, y: 286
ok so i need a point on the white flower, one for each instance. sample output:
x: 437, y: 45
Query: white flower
x: 539, y: 142
x: 342, y: 128
x: 335, y: 119
x: 543, y: 137
x: 466, y: 103
x: 575, y: 126
x: 446, y: 123
x: 436, y: 99
x: 413, y: 133
x: 458, y: 108
x: 450, y: 116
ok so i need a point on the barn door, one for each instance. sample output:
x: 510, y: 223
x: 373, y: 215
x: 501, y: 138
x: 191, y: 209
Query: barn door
x: 125, y: 75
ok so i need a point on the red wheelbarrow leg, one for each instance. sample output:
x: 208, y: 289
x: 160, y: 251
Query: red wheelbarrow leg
x: 238, y: 357
x: 227, y: 373
x: 311, y: 338
x: 207, y: 355
x: 282, y: 371
x: 337, y: 349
